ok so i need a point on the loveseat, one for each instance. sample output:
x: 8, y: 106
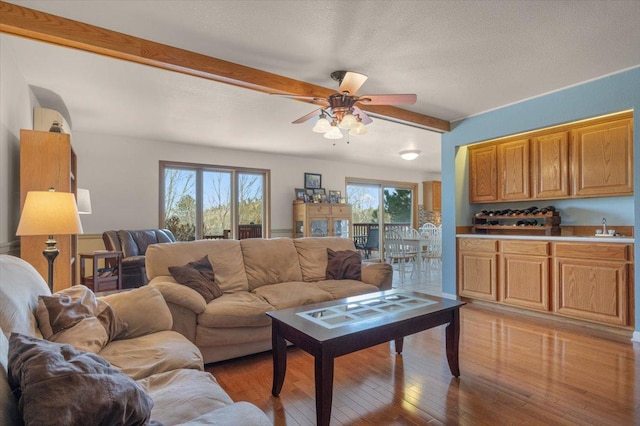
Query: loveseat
x: 145, y: 366
x: 133, y: 245
x: 254, y: 276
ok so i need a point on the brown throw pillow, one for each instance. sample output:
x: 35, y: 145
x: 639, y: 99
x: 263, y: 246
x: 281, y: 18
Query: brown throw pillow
x: 344, y: 265
x: 199, y: 276
x: 75, y: 316
x: 59, y: 385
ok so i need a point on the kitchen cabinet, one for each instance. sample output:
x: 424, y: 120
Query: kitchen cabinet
x: 513, y: 170
x: 524, y: 274
x: 483, y: 183
x: 477, y: 268
x: 591, y: 158
x: 550, y: 165
x: 591, y: 281
x: 602, y: 157
x: 321, y: 220
x: 432, y: 195
x: 47, y: 160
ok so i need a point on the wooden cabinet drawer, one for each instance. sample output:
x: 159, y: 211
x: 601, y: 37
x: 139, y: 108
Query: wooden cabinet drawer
x: 340, y: 210
x: 599, y: 251
x: 477, y: 244
x: 533, y: 248
x: 320, y: 209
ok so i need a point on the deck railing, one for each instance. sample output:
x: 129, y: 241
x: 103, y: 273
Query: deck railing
x: 361, y: 230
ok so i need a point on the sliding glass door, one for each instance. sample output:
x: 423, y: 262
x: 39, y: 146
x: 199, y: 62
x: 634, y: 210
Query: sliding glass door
x: 378, y: 206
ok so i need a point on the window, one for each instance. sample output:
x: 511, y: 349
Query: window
x: 201, y: 201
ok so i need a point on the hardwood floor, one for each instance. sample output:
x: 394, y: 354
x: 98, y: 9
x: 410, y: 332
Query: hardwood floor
x: 515, y: 369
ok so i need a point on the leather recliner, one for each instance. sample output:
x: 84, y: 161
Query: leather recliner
x: 133, y: 245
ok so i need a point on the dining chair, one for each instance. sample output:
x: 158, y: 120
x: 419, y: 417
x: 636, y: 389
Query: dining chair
x: 373, y: 240
x: 397, y: 252
x: 433, y: 252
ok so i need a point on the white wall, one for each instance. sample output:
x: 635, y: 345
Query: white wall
x: 16, y: 112
x: 122, y: 174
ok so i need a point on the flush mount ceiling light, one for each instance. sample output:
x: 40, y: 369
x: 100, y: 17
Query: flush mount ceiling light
x: 340, y: 110
x: 410, y: 154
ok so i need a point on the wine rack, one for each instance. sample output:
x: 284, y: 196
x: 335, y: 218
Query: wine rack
x: 547, y: 223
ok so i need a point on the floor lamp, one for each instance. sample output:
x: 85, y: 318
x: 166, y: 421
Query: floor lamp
x: 49, y: 213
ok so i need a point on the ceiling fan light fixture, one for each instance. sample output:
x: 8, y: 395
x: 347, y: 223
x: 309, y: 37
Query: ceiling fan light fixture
x: 322, y: 125
x: 333, y: 133
x: 348, y: 121
x: 359, y: 129
x: 410, y: 154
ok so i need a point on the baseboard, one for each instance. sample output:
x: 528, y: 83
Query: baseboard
x: 636, y: 337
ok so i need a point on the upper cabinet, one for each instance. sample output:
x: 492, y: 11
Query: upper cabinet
x: 592, y: 158
x: 513, y: 170
x: 550, y: 165
x: 602, y: 157
x: 483, y: 182
x: 432, y: 195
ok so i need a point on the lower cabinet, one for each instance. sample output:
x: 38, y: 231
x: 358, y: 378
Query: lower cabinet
x: 524, y: 274
x: 592, y: 282
x: 586, y: 281
x: 477, y: 268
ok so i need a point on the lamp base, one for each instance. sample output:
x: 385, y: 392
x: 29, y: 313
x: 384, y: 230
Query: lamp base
x: 50, y: 252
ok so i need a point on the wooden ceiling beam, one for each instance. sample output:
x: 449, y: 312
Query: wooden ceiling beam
x: 36, y: 25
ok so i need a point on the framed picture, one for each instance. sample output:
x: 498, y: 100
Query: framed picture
x: 334, y: 196
x: 300, y: 194
x: 312, y: 180
x: 320, y: 195
x: 308, y: 196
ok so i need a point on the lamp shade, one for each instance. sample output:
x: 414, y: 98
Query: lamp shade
x: 49, y: 213
x: 84, y: 201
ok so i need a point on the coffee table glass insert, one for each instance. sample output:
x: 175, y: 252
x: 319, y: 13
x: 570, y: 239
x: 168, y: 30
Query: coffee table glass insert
x: 364, y: 310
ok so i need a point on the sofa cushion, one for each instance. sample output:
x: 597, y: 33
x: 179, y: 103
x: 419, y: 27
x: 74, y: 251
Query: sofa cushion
x: 225, y: 257
x: 270, y: 261
x: 290, y: 294
x: 143, y: 309
x: 59, y: 384
x: 344, y: 265
x: 20, y: 285
x: 241, y: 309
x: 199, y: 276
x: 344, y: 288
x: 76, y: 317
x: 312, y: 254
x: 180, y: 396
x: 146, y: 355
x: 239, y: 413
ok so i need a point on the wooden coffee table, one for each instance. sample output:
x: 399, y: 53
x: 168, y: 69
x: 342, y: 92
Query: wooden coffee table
x: 331, y: 329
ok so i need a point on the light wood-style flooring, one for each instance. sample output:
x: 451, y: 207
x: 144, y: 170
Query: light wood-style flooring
x: 515, y: 370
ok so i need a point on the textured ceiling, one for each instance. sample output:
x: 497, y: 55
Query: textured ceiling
x: 460, y: 57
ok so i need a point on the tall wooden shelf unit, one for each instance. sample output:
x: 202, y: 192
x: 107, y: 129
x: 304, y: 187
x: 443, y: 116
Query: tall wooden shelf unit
x: 47, y: 161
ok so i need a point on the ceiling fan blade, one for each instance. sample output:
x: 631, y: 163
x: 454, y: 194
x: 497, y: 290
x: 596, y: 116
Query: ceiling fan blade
x: 313, y: 99
x: 363, y: 115
x: 307, y: 116
x: 408, y: 99
x: 351, y: 82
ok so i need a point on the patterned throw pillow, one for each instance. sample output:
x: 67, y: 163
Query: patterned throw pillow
x: 75, y: 316
x: 344, y: 265
x: 199, y: 276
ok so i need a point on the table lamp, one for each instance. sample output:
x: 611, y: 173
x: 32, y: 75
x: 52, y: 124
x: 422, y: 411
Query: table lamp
x: 49, y: 213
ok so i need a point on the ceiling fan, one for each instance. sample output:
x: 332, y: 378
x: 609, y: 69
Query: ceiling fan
x: 341, y: 111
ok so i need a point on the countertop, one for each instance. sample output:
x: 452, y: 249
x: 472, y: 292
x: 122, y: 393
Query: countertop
x: 567, y: 238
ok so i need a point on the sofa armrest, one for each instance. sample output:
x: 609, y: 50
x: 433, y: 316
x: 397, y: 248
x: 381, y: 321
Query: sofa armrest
x: 378, y: 274
x: 143, y: 309
x: 179, y: 294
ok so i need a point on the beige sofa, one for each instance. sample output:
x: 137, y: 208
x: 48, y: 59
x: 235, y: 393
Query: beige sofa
x: 163, y: 364
x: 255, y: 276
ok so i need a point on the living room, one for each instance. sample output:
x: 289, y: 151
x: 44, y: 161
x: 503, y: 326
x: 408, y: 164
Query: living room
x: 122, y: 170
